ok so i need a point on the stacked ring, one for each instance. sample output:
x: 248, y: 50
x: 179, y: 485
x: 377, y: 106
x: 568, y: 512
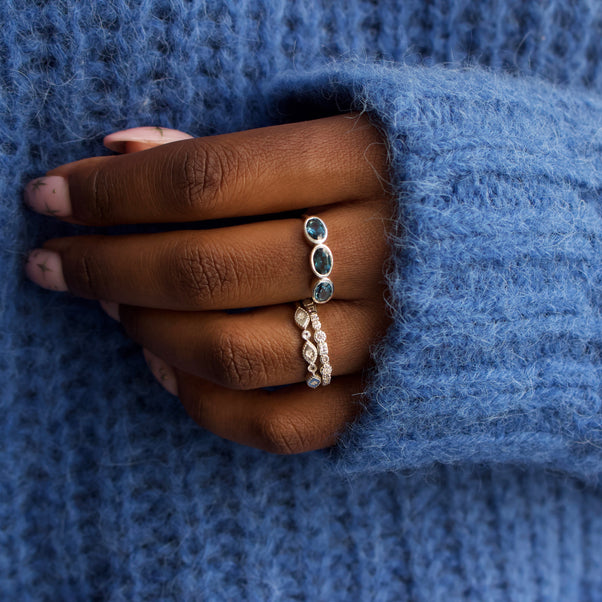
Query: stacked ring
x: 320, y: 339
x: 303, y: 316
x: 310, y: 351
x: 321, y: 260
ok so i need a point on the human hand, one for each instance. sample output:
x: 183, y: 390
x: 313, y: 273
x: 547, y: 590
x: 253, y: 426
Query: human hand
x: 171, y: 290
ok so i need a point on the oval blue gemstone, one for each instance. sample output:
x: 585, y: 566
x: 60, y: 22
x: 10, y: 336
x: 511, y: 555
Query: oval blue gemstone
x: 316, y: 229
x: 322, y: 260
x: 323, y: 291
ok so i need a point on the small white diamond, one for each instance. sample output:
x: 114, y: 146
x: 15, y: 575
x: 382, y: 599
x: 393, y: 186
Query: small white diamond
x: 323, y: 348
x: 301, y: 317
x: 310, y: 353
x: 320, y: 336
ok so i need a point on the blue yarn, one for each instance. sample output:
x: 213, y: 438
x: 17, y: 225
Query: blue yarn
x: 495, y: 351
x: 473, y: 472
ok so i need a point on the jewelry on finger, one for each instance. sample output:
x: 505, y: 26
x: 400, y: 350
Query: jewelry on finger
x: 320, y: 340
x: 310, y: 351
x: 321, y: 260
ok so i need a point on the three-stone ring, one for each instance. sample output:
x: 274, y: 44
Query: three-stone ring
x: 321, y: 260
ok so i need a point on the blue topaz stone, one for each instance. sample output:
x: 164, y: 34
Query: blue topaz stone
x: 321, y: 261
x: 323, y: 291
x: 315, y: 230
x: 313, y: 381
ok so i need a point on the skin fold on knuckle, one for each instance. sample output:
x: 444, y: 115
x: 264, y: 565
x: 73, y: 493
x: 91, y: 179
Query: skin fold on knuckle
x: 84, y: 273
x: 204, y: 274
x: 195, y: 273
x: 237, y: 362
x: 201, y: 173
x: 284, y: 433
x: 95, y: 189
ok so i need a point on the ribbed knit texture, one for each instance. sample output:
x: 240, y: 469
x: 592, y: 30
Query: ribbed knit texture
x: 476, y: 464
x: 495, y: 351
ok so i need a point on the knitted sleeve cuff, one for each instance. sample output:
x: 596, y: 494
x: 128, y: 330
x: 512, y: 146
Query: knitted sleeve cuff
x: 495, y: 353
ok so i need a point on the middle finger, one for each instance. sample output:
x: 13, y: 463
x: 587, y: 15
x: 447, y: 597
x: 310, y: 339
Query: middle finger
x: 264, y: 263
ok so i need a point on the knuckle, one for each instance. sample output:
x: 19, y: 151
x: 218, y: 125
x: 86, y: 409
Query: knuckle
x: 201, y: 273
x: 202, y: 172
x: 238, y: 362
x: 97, y: 209
x: 283, y: 433
x: 87, y: 277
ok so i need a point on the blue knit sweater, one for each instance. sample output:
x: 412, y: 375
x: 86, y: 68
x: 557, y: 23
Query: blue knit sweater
x: 474, y: 471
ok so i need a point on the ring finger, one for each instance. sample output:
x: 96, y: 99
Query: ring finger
x: 255, y: 349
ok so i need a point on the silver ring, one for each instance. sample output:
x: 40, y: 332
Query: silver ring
x: 310, y: 351
x: 320, y: 340
x: 321, y: 260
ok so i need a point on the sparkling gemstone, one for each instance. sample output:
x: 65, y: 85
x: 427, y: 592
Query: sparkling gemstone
x: 310, y: 353
x: 321, y: 260
x: 301, y: 317
x: 323, y: 291
x: 315, y: 229
x: 313, y: 381
x: 320, y: 336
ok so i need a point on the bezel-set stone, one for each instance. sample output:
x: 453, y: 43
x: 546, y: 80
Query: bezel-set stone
x: 301, y: 318
x: 321, y: 261
x: 315, y: 230
x: 320, y: 336
x: 313, y: 381
x: 310, y: 352
x: 323, y: 290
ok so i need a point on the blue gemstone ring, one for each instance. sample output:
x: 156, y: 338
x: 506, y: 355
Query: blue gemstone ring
x: 321, y: 260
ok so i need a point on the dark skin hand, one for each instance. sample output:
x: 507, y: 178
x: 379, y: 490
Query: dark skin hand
x: 170, y: 290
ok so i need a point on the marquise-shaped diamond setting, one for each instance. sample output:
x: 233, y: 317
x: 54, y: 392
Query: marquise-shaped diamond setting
x: 310, y: 352
x: 301, y: 318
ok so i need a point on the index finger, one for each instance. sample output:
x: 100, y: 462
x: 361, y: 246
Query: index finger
x: 266, y: 170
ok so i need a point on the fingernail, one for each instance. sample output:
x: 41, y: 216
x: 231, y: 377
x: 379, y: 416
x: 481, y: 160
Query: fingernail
x: 162, y: 372
x: 153, y: 136
x: 111, y: 309
x: 48, y: 195
x: 45, y: 268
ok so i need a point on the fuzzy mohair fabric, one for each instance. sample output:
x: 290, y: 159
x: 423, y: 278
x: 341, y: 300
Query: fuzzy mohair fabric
x: 474, y: 471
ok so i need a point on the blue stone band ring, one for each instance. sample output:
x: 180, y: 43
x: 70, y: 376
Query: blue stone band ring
x: 321, y: 260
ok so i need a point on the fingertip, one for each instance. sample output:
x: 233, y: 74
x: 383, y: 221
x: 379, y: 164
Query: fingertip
x: 142, y: 138
x: 44, y: 268
x: 163, y: 372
